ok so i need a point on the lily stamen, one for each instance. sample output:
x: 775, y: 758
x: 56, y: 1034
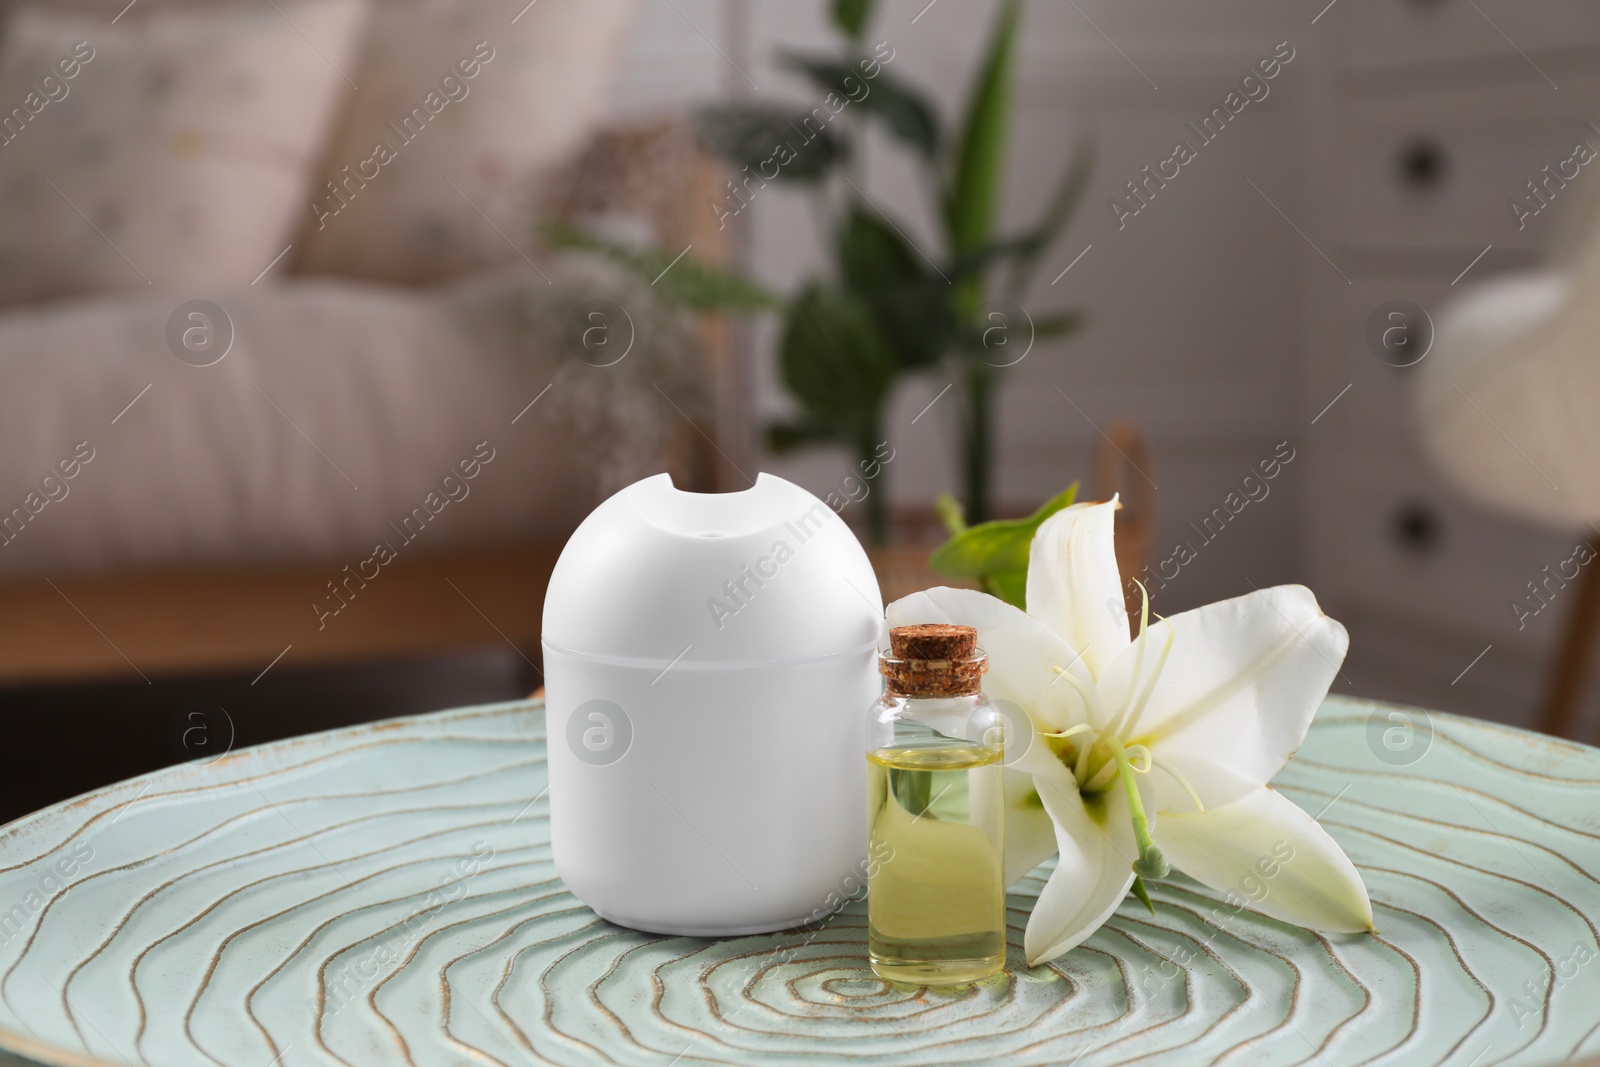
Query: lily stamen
x: 1080, y: 766
x: 1101, y: 778
x: 1155, y: 675
x: 1181, y: 780
x: 1115, y: 725
x: 1152, y: 863
x: 1091, y: 699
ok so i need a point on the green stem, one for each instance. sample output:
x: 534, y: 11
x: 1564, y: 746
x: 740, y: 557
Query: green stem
x: 1151, y: 863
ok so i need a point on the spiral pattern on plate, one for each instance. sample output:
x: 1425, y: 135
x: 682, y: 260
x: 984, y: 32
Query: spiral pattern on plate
x: 385, y: 895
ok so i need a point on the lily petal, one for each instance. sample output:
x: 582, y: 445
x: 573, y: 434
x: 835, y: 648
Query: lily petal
x: 1030, y: 833
x: 1023, y: 653
x: 1095, y: 839
x: 1236, y: 695
x: 1074, y: 586
x: 1269, y: 855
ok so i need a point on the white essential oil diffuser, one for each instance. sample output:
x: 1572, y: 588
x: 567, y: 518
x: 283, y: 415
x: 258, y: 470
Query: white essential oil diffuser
x: 707, y: 660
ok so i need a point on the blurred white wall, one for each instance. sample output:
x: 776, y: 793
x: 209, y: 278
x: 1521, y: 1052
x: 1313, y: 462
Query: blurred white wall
x: 1227, y: 314
x: 1192, y: 305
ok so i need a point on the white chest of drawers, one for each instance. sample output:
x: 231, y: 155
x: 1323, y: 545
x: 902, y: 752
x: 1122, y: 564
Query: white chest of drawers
x: 1429, y: 118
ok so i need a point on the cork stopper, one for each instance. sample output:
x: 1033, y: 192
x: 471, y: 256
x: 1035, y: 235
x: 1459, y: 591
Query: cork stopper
x: 933, y: 660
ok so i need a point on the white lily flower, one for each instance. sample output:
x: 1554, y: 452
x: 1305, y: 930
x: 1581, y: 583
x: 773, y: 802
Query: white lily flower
x: 1155, y: 748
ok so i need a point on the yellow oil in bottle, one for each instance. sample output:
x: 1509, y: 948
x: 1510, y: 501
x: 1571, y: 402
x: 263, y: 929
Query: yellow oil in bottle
x: 936, y: 901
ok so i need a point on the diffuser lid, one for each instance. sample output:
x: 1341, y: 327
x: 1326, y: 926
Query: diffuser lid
x: 656, y: 575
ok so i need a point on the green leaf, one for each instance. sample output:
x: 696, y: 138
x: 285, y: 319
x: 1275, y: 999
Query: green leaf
x: 974, y: 338
x: 996, y: 552
x: 950, y: 513
x: 1002, y: 339
x: 1141, y: 891
x: 920, y: 321
x: 1010, y: 586
x: 906, y: 113
x: 980, y: 158
x: 777, y: 144
x: 910, y: 301
x: 837, y: 363
x: 696, y: 285
x: 977, y: 261
x: 873, y: 256
x: 903, y: 110
x: 852, y: 16
x: 1063, y: 205
x: 1025, y: 250
x: 1055, y: 327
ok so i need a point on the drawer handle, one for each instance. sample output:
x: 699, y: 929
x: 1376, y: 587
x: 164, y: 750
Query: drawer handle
x: 1423, y: 164
x: 1418, y: 528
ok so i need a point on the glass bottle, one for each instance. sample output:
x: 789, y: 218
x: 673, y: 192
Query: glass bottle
x: 935, y: 813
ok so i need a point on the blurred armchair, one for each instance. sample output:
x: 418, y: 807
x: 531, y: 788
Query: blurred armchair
x: 1507, y: 404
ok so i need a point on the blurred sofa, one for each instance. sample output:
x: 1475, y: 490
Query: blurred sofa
x: 284, y: 371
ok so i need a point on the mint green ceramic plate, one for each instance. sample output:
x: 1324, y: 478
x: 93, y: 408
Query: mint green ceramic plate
x: 384, y: 895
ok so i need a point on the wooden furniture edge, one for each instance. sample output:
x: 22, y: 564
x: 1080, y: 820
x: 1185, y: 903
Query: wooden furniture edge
x: 144, y: 625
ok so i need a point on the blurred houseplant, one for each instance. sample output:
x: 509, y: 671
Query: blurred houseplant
x: 993, y: 555
x: 886, y: 309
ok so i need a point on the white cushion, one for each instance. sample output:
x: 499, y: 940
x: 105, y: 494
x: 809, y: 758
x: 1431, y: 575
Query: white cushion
x: 338, y: 409
x: 1506, y: 400
x: 177, y: 155
x: 493, y: 97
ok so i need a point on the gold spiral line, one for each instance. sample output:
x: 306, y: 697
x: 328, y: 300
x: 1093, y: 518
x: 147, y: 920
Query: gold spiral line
x: 1453, y: 786
x: 859, y: 960
x: 544, y: 992
x: 1168, y: 887
x: 372, y: 994
x: 121, y: 923
x: 615, y: 954
x: 1477, y: 831
x: 1512, y: 735
x: 15, y: 829
x: 139, y: 1002
x: 1563, y: 902
x: 1416, y: 1000
x: 594, y: 997
x: 694, y: 1034
x: 1189, y: 1006
x: 322, y: 967
x: 321, y: 988
x: 444, y: 973
x: 216, y: 956
x: 218, y: 829
x: 1550, y: 964
x: 1461, y: 962
x: 133, y: 970
x: 591, y: 991
x: 1083, y: 1032
x: 1244, y: 985
x: 1366, y: 995
x: 1294, y: 997
x: 446, y: 990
